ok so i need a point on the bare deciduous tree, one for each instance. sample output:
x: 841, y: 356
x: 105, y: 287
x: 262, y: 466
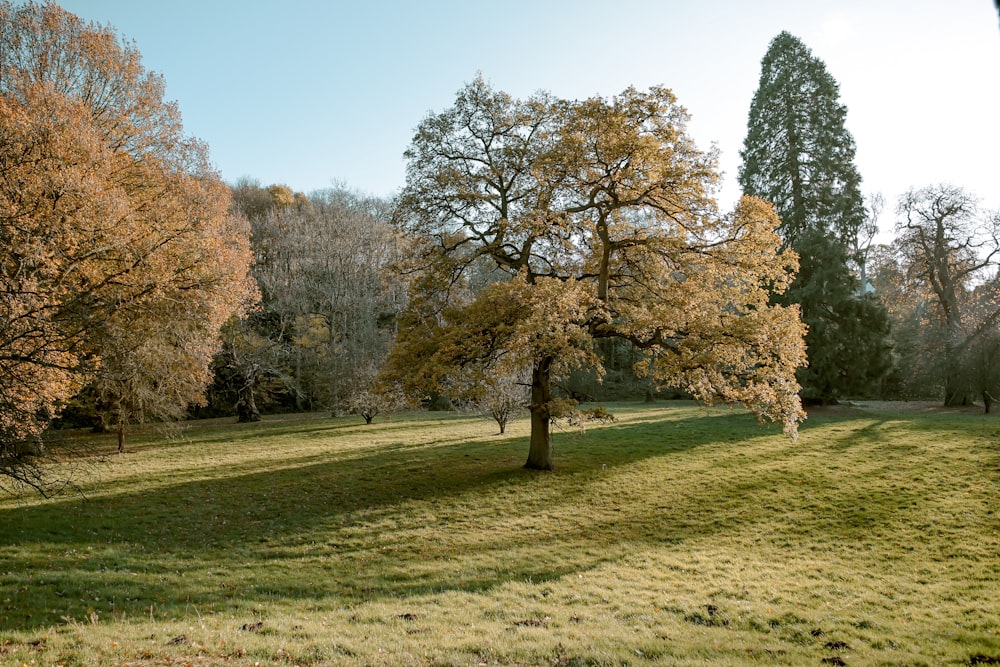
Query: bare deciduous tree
x: 329, y: 296
x: 949, y: 249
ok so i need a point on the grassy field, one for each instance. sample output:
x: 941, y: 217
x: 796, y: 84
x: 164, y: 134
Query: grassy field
x: 676, y: 536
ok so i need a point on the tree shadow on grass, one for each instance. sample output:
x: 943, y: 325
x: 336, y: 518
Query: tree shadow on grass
x: 384, y: 522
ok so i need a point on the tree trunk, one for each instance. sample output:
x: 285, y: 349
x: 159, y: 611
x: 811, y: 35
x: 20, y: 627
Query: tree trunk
x: 955, y: 396
x: 956, y: 391
x: 246, y: 406
x: 121, y: 437
x: 540, y: 449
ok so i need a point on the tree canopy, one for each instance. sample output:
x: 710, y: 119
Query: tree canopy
x: 798, y: 154
x: 329, y: 299
x: 594, y: 219
x: 113, y: 226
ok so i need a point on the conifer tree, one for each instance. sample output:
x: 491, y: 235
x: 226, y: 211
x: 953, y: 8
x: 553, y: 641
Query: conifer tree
x: 799, y: 156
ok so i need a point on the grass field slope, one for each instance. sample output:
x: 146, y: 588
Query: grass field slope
x: 677, y: 535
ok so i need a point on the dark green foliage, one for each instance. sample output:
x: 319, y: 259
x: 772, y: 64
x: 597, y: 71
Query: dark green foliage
x: 798, y: 155
x: 848, y: 338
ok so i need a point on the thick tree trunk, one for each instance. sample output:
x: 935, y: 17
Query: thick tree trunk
x: 956, y: 381
x: 956, y: 398
x: 956, y: 391
x: 540, y: 449
x: 246, y: 406
x: 121, y: 437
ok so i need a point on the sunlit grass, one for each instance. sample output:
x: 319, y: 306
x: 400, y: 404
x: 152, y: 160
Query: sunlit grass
x: 674, y: 536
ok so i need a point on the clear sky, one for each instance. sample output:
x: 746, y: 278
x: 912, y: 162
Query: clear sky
x: 310, y: 92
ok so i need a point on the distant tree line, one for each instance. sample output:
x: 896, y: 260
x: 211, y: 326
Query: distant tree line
x: 330, y: 295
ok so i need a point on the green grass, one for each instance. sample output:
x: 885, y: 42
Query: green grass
x: 677, y: 535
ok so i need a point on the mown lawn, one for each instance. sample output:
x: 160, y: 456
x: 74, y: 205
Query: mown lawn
x: 676, y: 536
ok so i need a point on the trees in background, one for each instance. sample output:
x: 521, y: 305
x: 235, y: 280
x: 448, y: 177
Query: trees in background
x: 798, y: 155
x: 982, y: 358
x: 909, y: 378
x: 111, y: 220
x: 328, y: 301
x: 937, y: 281
x: 948, y: 252
x: 347, y: 298
x: 254, y: 364
x: 599, y: 214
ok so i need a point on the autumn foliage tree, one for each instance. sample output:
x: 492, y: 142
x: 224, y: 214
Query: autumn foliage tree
x: 47, y: 278
x: 599, y: 213
x: 119, y: 258
x: 156, y: 352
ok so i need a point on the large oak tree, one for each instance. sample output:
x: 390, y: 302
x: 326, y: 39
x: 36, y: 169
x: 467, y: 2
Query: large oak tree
x: 596, y: 220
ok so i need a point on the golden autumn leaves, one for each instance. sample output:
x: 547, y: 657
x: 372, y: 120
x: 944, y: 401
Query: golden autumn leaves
x: 588, y: 220
x: 120, y: 257
x: 706, y: 324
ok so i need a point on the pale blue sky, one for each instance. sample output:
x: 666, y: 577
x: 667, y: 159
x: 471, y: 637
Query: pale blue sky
x: 305, y: 93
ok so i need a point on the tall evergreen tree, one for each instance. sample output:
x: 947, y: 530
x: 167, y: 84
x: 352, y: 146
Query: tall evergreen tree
x: 798, y: 155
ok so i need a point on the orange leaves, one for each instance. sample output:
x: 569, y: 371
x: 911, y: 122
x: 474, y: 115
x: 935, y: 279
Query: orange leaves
x: 559, y: 313
x: 711, y: 328
x: 596, y: 219
x: 118, y: 251
x: 189, y: 275
x: 48, y: 164
x: 755, y: 244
